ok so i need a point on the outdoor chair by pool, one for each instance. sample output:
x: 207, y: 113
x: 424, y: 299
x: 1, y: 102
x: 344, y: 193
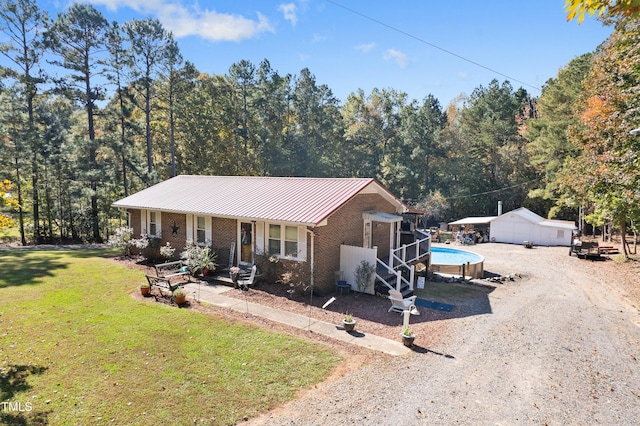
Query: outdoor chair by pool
x: 399, y: 304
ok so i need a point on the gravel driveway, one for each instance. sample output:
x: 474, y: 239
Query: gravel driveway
x: 560, y: 347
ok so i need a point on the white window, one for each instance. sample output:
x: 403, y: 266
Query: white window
x: 560, y: 234
x: 275, y: 247
x: 151, y: 223
x: 201, y: 230
x: 287, y: 241
x: 291, y: 241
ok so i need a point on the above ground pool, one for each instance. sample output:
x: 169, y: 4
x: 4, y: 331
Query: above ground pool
x: 457, y: 262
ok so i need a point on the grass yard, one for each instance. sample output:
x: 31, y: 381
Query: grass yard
x: 10, y: 234
x: 76, y: 348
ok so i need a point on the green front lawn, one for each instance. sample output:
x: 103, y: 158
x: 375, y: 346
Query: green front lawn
x: 10, y: 234
x: 76, y: 348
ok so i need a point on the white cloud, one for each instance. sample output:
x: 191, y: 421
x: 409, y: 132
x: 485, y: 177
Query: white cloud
x: 211, y: 25
x: 192, y: 21
x: 398, y: 56
x: 463, y: 74
x: 131, y: 4
x: 318, y: 38
x: 365, y: 48
x: 289, y: 10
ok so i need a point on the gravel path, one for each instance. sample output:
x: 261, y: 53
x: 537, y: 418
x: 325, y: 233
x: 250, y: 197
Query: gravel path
x: 560, y: 347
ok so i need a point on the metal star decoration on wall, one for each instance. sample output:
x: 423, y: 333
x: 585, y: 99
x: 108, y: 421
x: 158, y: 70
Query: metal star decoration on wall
x: 174, y: 228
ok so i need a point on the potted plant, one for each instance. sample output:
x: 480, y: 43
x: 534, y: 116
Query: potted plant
x: 179, y: 296
x: 199, y: 259
x: 407, y: 337
x: 348, y: 322
x: 207, y: 261
x: 145, y: 289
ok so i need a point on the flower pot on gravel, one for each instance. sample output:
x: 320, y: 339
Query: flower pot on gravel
x: 407, y: 337
x: 145, y: 289
x: 348, y: 325
x: 179, y: 296
x: 408, y: 340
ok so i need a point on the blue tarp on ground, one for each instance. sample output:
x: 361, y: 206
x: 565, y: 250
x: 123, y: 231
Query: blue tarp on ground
x: 423, y: 303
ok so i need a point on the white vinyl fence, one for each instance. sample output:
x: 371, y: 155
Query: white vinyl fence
x: 350, y: 258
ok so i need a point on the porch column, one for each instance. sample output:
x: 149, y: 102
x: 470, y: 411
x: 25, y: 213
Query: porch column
x: 392, y: 228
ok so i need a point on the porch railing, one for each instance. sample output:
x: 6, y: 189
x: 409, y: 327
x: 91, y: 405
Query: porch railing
x: 401, y: 257
x: 414, y: 251
x: 391, y: 277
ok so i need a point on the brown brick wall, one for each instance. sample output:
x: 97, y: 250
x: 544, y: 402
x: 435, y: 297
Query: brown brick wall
x: 178, y: 239
x: 345, y: 226
x: 223, y: 232
x: 135, y: 223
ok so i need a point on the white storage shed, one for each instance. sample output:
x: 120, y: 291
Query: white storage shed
x: 522, y: 224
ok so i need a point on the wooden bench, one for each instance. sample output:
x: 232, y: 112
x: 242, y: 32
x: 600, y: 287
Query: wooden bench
x: 162, y: 283
x: 173, y: 269
x: 165, y: 272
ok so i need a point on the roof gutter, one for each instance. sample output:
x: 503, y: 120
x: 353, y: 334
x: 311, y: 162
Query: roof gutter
x: 241, y: 218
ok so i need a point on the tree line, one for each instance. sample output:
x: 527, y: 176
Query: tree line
x: 115, y: 108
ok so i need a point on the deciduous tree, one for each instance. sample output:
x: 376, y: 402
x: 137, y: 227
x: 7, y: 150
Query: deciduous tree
x: 611, y: 8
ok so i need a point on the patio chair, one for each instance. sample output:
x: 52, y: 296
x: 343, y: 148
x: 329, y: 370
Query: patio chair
x: 247, y: 281
x: 400, y: 304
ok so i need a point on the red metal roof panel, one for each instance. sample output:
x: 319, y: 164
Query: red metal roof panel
x: 283, y: 199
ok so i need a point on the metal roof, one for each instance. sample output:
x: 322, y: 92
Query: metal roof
x: 554, y: 223
x: 307, y: 201
x: 381, y: 217
x: 473, y: 220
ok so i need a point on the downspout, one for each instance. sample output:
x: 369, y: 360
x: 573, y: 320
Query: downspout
x: 311, y: 271
x: 312, y: 254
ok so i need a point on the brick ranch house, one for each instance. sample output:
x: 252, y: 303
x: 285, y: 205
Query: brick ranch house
x: 305, y: 220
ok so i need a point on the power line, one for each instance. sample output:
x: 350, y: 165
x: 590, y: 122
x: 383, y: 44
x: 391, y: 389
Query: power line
x: 493, y: 191
x: 391, y: 27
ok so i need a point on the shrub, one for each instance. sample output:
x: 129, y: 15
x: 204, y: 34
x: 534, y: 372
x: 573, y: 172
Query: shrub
x: 197, y: 258
x: 364, y: 272
x: 123, y: 240
x: 167, y: 251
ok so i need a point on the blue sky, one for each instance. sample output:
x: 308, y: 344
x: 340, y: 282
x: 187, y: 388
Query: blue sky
x: 352, y: 44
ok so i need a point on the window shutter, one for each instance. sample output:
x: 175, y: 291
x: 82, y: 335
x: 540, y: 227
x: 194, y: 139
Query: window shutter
x: 143, y: 222
x: 302, y: 243
x: 158, y: 224
x: 190, y: 228
x: 259, y: 237
x: 207, y: 229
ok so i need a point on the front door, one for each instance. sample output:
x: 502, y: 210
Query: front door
x: 246, y: 242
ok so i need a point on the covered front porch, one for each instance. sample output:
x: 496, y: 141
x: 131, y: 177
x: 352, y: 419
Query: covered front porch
x: 394, y: 259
